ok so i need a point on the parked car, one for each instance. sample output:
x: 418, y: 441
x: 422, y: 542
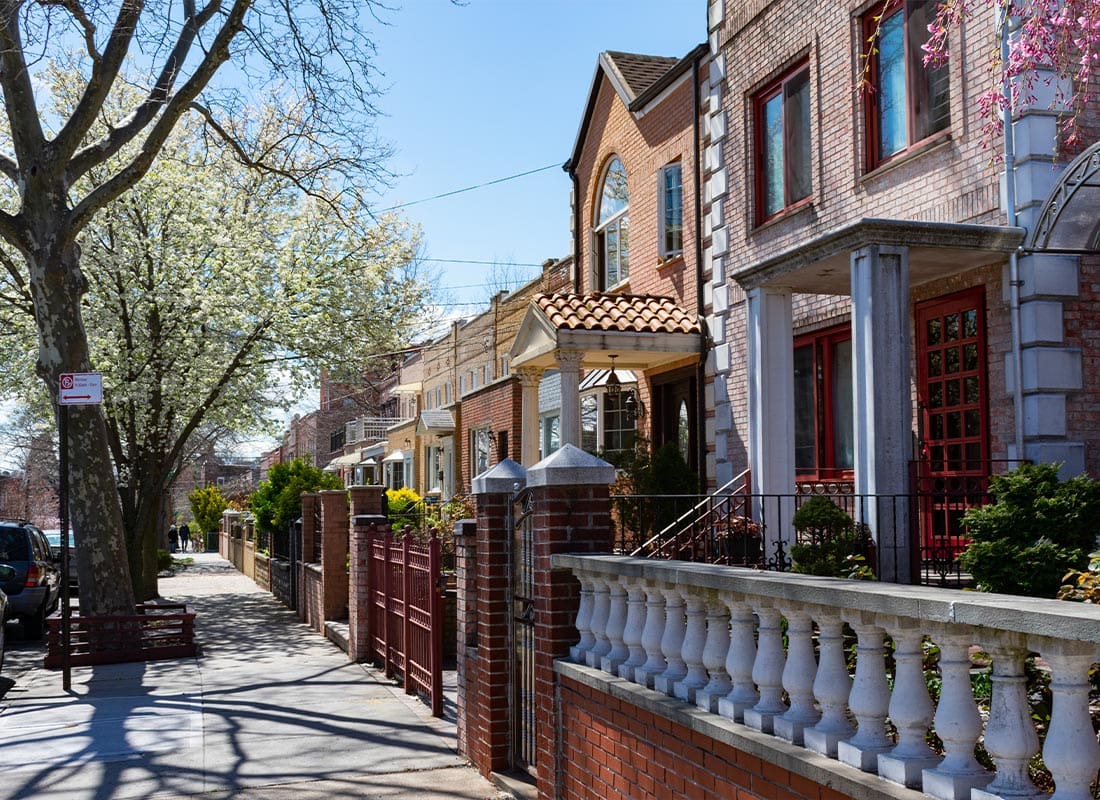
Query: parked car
x: 34, y: 589
x: 53, y: 536
x: 6, y: 574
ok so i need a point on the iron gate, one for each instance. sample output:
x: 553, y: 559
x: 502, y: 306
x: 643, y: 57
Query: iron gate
x: 522, y: 574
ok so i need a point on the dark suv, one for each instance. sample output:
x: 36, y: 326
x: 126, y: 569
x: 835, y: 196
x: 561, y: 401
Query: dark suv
x: 33, y: 592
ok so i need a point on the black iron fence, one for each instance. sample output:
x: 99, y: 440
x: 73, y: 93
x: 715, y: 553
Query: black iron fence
x: 916, y: 537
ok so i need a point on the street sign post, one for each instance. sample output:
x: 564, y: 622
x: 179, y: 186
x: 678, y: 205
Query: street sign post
x: 73, y: 389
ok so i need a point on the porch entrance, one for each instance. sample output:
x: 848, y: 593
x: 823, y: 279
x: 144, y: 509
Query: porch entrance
x: 952, y: 396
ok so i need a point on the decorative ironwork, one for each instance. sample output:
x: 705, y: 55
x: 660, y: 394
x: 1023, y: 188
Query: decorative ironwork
x: 1061, y: 218
x: 521, y: 519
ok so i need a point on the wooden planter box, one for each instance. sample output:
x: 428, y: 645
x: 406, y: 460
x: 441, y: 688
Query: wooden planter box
x: 156, y: 631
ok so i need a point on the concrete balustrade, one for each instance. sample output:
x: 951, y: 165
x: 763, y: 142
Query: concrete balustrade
x: 767, y: 650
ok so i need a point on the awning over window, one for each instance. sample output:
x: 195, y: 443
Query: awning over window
x: 1070, y: 220
x: 599, y: 377
x: 437, y: 420
x: 396, y: 456
x: 347, y: 460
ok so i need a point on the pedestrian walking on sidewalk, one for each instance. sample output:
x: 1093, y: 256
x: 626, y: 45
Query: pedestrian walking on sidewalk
x: 185, y: 537
x: 173, y: 539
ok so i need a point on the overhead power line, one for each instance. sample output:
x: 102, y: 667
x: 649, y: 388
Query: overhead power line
x: 486, y: 263
x: 469, y: 188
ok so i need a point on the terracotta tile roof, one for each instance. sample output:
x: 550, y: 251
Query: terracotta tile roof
x: 639, y: 72
x: 629, y: 313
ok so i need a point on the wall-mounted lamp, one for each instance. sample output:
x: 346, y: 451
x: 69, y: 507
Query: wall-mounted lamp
x: 635, y: 408
x: 408, y: 442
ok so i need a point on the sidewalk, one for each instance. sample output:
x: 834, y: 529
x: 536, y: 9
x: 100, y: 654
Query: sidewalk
x: 270, y: 710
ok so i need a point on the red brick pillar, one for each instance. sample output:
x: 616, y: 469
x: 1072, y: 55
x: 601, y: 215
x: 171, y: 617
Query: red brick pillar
x: 364, y: 529
x: 465, y: 533
x: 368, y: 500
x: 334, y: 553
x: 569, y: 495
x: 484, y: 712
x: 309, y: 506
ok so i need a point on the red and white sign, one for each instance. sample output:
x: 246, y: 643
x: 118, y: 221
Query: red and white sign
x: 80, y: 389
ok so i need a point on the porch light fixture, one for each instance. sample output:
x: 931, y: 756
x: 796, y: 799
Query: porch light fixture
x: 612, y: 385
x: 408, y: 442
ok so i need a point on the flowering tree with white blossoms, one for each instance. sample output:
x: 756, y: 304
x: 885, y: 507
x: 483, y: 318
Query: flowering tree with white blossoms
x: 61, y: 165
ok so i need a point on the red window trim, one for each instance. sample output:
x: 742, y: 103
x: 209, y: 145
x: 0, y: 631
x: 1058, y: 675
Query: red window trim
x: 874, y: 160
x: 758, y: 101
x: 824, y: 434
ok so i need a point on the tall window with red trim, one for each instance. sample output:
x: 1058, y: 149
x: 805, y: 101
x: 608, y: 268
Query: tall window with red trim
x: 907, y: 102
x: 824, y: 436
x: 782, y: 121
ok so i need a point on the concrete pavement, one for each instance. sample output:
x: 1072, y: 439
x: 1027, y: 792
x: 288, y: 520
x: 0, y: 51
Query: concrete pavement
x: 269, y: 710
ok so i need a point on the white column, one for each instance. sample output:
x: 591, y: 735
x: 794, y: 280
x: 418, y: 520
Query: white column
x: 881, y: 398
x: 715, y: 652
x: 601, y: 607
x: 616, y: 624
x: 695, y: 637
x: 584, y: 620
x: 671, y: 643
x: 569, y: 365
x: 1010, y: 737
x: 869, y: 700
x: 767, y: 672
x: 958, y: 723
x: 832, y: 686
x: 910, y: 710
x: 771, y: 412
x: 651, y: 638
x: 798, y: 678
x: 739, y: 661
x: 632, y: 633
x: 529, y: 414
x: 1070, y: 750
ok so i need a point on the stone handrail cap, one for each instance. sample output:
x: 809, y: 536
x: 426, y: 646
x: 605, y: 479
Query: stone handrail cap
x: 502, y: 478
x: 570, y: 466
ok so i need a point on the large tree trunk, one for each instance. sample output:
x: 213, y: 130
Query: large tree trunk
x: 57, y: 285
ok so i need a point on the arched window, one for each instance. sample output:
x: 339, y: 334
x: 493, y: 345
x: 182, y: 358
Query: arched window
x: 613, y: 227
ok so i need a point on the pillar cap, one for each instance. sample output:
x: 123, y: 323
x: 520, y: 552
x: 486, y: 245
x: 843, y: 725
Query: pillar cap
x: 500, y: 479
x: 570, y: 466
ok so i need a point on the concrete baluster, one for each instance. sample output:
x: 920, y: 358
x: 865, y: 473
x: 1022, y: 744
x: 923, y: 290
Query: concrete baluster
x: 958, y: 723
x: 672, y: 643
x: 767, y: 672
x: 798, y: 678
x: 832, y: 686
x: 616, y: 624
x: 584, y: 620
x: 910, y: 710
x: 714, y: 655
x: 1010, y: 737
x: 869, y: 700
x: 635, y: 622
x: 695, y: 637
x: 1070, y: 750
x: 651, y: 637
x: 601, y: 607
x: 739, y: 661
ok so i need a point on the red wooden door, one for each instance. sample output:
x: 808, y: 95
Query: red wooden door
x: 952, y: 395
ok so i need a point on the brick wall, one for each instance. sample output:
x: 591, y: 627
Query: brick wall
x: 1082, y: 329
x: 616, y: 750
x: 496, y: 406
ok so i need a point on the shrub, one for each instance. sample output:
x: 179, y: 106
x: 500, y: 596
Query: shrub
x: 278, y: 500
x: 207, y: 505
x: 164, y: 560
x: 829, y: 543
x: 1036, y: 530
x: 404, y: 507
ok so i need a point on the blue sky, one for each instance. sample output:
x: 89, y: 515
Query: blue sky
x: 494, y: 88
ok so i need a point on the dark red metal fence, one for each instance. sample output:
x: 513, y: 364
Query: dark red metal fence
x: 406, y: 612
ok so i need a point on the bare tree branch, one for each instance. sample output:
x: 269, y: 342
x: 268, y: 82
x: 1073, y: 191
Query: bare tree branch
x: 15, y: 80
x: 130, y: 174
x: 144, y: 114
x: 86, y: 25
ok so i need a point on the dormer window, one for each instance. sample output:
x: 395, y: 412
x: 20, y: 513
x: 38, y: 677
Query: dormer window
x: 613, y: 227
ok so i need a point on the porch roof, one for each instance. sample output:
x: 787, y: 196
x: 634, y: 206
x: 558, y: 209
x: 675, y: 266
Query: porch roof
x: 436, y: 420
x: 936, y: 250
x: 641, y: 331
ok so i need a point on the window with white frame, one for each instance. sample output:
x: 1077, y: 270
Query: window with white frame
x: 480, y: 445
x: 549, y: 434
x: 613, y: 227
x: 671, y: 210
x: 504, y: 367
